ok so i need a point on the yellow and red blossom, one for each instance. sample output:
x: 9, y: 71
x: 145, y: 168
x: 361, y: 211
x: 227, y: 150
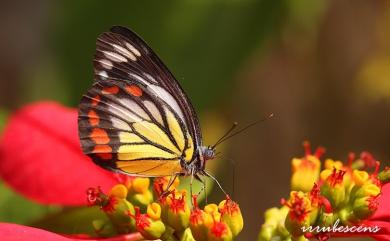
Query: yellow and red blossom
x: 160, y: 185
x: 364, y: 207
x: 149, y: 227
x: 222, y: 222
x: 336, y: 177
x: 274, y: 225
x: 333, y: 186
x: 231, y: 215
x: 299, y: 212
x: 299, y: 205
x: 177, y: 211
x: 169, y: 218
x: 139, y: 193
x: 114, y: 205
x: 219, y: 231
x: 200, y: 222
x: 305, y: 170
x: 346, y: 193
x: 384, y: 176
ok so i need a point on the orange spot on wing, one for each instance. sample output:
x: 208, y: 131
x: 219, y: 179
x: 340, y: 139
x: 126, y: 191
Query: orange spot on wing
x: 95, y: 101
x: 134, y: 90
x: 103, y: 152
x: 93, y: 118
x: 105, y: 156
x: 99, y: 136
x: 110, y: 90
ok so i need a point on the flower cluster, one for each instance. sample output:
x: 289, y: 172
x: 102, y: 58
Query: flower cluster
x: 131, y: 207
x: 338, y: 196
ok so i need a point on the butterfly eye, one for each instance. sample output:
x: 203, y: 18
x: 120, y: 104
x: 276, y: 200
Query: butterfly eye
x: 209, y: 154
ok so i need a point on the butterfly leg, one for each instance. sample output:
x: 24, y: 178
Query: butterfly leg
x: 203, y: 187
x: 191, y: 181
x: 215, y: 180
x: 170, y: 183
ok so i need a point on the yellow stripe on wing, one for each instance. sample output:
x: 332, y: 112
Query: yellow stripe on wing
x: 153, y: 133
x: 190, y: 149
x: 127, y: 137
x: 131, y: 152
x: 150, y: 167
x: 175, y: 129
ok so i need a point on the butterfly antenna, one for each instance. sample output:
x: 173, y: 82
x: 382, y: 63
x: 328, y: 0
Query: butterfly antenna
x: 227, y: 136
x: 227, y: 133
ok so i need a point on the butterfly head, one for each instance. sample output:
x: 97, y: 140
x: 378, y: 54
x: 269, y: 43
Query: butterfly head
x: 208, y: 153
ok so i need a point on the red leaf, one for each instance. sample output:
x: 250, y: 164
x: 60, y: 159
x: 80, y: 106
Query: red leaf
x: 383, y: 234
x: 15, y: 232
x: 383, y: 212
x: 41, y: 156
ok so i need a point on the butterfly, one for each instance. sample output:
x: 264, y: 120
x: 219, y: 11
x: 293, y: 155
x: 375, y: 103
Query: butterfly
x: 136, y: 119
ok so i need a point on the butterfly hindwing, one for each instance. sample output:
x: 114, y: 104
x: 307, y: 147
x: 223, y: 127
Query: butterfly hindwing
x: 124, y: 127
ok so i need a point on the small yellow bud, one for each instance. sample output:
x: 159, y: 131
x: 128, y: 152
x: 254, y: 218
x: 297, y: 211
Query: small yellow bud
x: 119, y: 191
x: 212, y: 209
x: 141, y: 184
x: 360, y: 177
x: 325, y: 174
x: 154, y: 211
x: 364, y: 207
x: 331, y: 164
x: 305, y: 172
x: 368, y: 189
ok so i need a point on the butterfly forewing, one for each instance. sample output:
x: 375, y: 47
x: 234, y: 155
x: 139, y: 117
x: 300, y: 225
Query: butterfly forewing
x: 122, y: 55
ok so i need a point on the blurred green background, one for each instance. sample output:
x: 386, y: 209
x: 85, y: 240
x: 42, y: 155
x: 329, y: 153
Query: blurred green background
x: 322, y: 67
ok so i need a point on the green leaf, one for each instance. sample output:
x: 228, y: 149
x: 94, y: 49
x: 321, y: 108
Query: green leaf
x: 72, y: 220
x: 3, y: 119
x: 17, y: 209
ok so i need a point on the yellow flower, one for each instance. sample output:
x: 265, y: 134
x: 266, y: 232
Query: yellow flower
x: 219, y: 232
x: 213, y: 210
x: 139, y: 193
x: 299, y: 212
x: 154, y: 211
x: 305, y: 170
x: 200, y: 222
x: 231, y: 215
x: 115, y: 206
x: 177, y: 212
x: 149, y: 227
x: 360, y: 177
x: 274, y: 224
x: 330, y: 164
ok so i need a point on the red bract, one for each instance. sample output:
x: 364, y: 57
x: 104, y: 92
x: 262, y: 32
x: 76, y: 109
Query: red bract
x: 383, y: 212
x: 15, y: 232
x: 40, y: 156
x: 381, y: 217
